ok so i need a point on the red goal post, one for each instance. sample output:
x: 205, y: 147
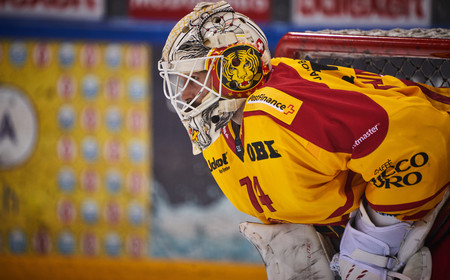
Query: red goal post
x: 418, y: 55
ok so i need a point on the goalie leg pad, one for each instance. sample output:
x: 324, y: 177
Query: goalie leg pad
x: 291, y: 251
x: 365, y: 247
x: 382, y: 251
x: 416, y: 238
x: 419, y: 265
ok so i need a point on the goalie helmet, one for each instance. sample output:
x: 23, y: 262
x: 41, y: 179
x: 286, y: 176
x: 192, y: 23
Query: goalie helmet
x: 232, y: 54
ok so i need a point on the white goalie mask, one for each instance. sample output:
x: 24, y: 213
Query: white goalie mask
x: 230, y: 54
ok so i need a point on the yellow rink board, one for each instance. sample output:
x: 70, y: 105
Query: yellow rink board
x: 56, y: 268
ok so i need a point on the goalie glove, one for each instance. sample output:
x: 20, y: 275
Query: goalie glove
x: 291, y: 251
x: 381, y: 252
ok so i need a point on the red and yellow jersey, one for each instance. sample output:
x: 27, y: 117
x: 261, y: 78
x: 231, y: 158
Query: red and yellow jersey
x: 317, y: 138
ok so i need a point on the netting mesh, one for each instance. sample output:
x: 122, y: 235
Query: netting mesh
x: 441, y: 33
x: 431, y: 71
x: 434, y: 72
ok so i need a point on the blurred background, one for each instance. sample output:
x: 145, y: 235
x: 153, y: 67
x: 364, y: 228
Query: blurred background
x: 93, y: 161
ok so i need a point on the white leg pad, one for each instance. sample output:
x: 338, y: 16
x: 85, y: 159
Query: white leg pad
x: 419, y: 265
x: 384, y: 252
x: 365, y: 247
x: 416, y: 238
x: 291, y: 251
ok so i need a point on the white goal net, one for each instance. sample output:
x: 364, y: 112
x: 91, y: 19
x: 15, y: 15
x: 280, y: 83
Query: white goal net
x: 419, y: 55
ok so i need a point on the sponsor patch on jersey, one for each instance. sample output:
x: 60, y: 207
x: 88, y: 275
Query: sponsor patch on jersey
x: 405, y: 172
x: 274, y: 102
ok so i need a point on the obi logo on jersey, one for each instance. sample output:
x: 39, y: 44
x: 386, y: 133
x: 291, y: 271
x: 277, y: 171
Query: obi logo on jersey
x: 403, y: 173
x: 218, y: 163
x: 261, y: 150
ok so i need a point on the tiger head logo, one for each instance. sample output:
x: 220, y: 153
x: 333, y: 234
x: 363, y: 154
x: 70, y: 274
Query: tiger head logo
x: 242, y: 69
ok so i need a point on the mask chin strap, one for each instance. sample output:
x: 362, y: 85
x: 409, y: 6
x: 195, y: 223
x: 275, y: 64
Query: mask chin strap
x: 205, y: 127
x: 231, y: 105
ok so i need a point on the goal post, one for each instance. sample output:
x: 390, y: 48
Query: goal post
x: 421, y: 55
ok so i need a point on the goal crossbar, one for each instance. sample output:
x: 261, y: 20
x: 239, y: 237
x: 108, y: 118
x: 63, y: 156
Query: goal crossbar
x: 294, y: 44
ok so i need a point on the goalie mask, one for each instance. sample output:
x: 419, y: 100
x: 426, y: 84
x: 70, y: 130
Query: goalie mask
x: 224, y: 57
